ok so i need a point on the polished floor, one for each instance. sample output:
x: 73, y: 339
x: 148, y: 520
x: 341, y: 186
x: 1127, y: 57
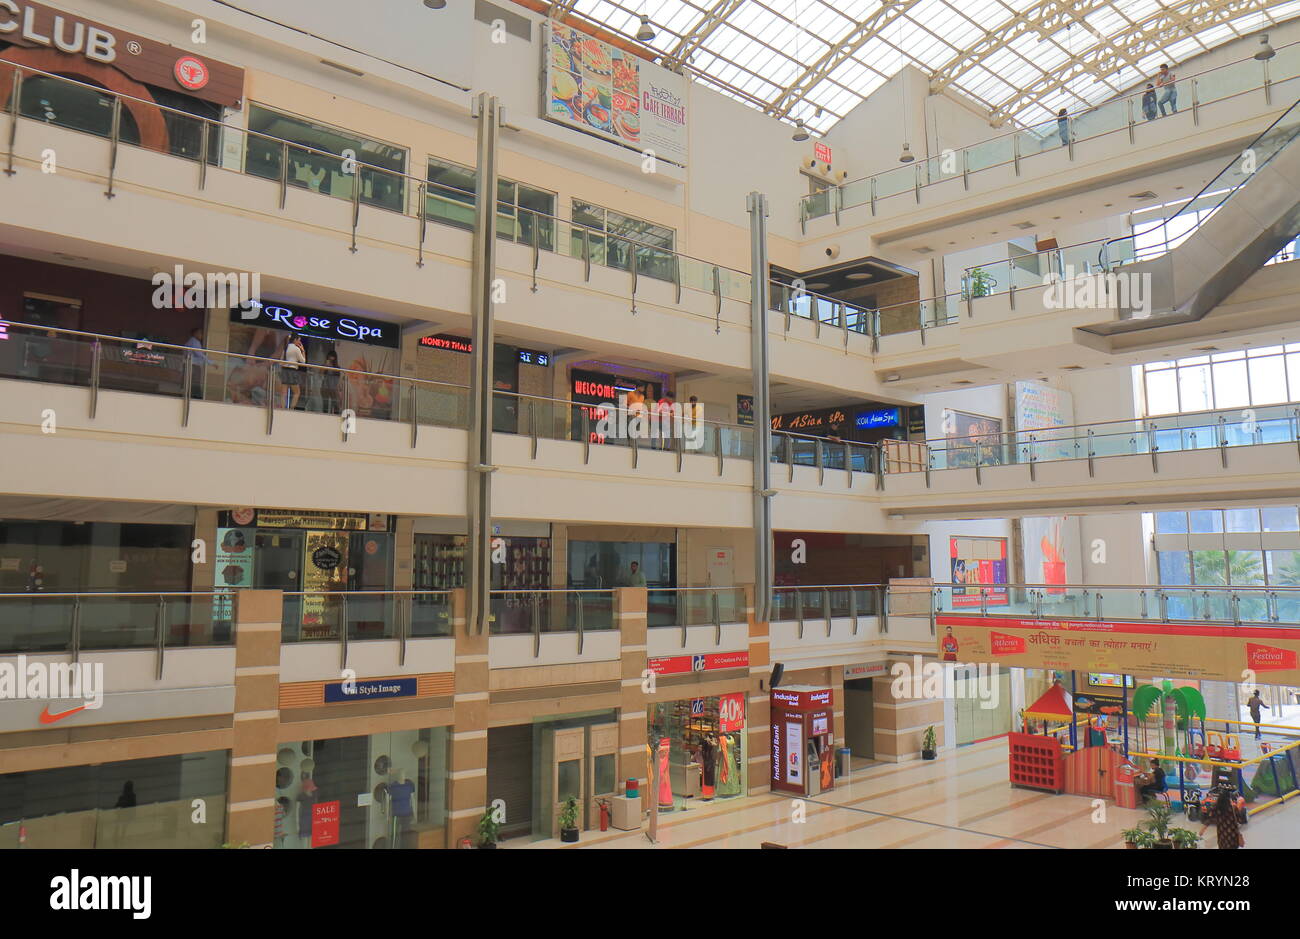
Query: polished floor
x: 960, y: 800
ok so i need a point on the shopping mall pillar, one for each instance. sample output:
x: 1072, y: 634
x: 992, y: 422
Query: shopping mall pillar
x: 630, y: 605
x: 468, y: 777
x: 763, y: 492
x: 758, y: 713
x: 485, y: 291
x: 250, y: 812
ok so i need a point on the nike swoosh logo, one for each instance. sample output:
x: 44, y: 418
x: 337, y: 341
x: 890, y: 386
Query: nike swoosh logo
x: 48, y: 718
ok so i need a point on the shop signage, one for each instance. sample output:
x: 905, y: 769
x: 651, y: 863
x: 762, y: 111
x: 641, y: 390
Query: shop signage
x: 809, y: 420
x: 865, y: 671
x: 879, y: 417
x: 325, y: 824
x: 744, y: 410
x: 614, y: 94
x: 714, y: 661
x: 337, y: 521
x: 326, y: 557
x: 802, y: 699
x: 34, y: 25
x: 534, y: 357
x: 1174, y: 650
x: 731, y: 712
x: 697, y: 707
x: 320, y: 325
x: 370, y: 690
x: 821, y: 152
x: 450, y: 343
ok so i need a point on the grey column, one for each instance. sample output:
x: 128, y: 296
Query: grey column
x: 763, y: 492
x: 478, y: 572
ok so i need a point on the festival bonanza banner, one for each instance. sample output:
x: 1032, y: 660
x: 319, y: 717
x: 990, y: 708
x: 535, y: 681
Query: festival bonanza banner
x: 604, y: 90
x: 1170, y: 650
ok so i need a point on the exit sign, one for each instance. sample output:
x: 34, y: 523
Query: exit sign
x: 821, y: 152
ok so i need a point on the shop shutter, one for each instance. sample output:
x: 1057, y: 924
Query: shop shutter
x: 510, y: 776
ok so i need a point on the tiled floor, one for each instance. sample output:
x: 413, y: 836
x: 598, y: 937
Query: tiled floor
x: 961, y: 800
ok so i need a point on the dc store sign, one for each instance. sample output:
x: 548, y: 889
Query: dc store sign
x: 697, y: 663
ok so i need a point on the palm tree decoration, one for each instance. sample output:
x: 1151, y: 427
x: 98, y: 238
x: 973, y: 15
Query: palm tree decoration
x: 1175, y: 704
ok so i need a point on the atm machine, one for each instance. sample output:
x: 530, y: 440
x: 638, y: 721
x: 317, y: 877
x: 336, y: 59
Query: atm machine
x: 803, y: 743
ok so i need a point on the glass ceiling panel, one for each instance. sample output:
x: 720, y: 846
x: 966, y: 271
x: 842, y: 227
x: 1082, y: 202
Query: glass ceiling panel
x: 1009, y: 56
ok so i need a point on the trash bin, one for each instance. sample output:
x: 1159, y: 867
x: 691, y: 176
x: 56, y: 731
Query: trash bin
x: 843, y: 762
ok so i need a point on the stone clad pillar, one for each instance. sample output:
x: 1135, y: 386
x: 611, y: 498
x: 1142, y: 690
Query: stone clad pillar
x: 250, y: 810
x: 467, y: 782
x: 758, y: 710
x: 630, y: 607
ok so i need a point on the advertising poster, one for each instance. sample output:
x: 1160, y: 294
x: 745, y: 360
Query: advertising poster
x: 1040, y: 406
x: 325, y: 571
x: 972, y: 439
x: 794, y: 752
x: 978, y: 564
x: 731, y: 712
x: 603, y: 90
x: 1051, y: 553
x: 745, y: 410
x: 324, y: 824
x: 234, y: 569
x: 1170, y: 650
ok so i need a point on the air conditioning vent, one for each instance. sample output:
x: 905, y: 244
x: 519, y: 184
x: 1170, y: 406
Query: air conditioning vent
x: 1023, y: 225
x: 925, y: 249
x: 1146, y: 194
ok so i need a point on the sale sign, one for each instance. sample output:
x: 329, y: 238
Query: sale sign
x: 324, y: 824
x: 1169, y: 650
x: 731, y: 712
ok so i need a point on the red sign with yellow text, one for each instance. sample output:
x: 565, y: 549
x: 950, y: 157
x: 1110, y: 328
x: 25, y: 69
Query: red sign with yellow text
x: 1174, y: 650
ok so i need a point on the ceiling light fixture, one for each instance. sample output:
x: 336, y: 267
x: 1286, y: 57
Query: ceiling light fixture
x: 646, y: 33
x: 435, y: 4
x: 800, y: 132
x: 1266, y: 51
x: 906, y: 156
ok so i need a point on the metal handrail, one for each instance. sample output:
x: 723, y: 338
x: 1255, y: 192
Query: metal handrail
x: 1073, y: 115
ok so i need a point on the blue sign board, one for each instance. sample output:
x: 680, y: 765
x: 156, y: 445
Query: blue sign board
x: 880, y: 417
x: 369, y: 690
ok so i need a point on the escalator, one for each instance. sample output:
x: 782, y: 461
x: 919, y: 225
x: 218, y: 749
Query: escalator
x: 1239, y: 221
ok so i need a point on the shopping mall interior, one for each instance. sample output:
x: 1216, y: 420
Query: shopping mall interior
x: 851, y: 425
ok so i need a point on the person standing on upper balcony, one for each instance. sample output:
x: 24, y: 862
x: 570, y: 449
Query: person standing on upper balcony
x: 1166, y: 80
x: 295, y: 356
x: 200, y: 361
x: 1149, y: 102
x: 1063, y: 126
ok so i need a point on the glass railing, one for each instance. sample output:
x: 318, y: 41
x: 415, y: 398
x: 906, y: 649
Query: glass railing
x: 694, y: 606
x: 835, y: 601
x: 1205, y: 430
x: 1123, y: 114
x: 1164, y: 604
x: 72, y: 622
x: 515, y: 612
x: 329, y: 616
x: 1142, y: 246
x: 801, y: 450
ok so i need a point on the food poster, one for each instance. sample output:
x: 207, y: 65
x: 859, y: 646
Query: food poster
x: 325, y: 570
x: 234, y: 568
x: 603, y: 89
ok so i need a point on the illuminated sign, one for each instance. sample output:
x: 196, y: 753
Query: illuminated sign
x: 809, y: 420
x: 880, y: 417
x: 450, y: 343
x: 319, y: 324
x: 533, y: 357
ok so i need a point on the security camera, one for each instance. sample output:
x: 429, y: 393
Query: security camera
x: 832, y: 251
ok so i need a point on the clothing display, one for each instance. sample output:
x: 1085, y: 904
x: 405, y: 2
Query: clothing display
x: 708, y: 764
x: 399, y: 796
x: 665, y: 777
x: 728, y: 765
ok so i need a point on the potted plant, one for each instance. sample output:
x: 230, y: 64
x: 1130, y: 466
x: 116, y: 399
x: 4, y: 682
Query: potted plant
x: 489, y: 829
x: 929, y: 746
x: 1184, y: 837
x: 1136, y: 838
x: 1157, y: 824
x: 981, y: 283
x: 569, y: 821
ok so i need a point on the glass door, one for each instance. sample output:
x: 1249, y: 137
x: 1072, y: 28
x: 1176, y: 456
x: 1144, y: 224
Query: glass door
x: 568, y: 774
x: 602, y: 780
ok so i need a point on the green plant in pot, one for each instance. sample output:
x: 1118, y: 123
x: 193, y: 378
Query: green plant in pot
x: 929, y: 744
x: 1157, y: 823
x: 489, y: 829
x: 1184, y: 838
x: 569, y: 821
x: 1137, y: 838
x: 981, y: 283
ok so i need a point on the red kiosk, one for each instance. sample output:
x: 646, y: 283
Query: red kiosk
x: 1037, y: 761
x: 803, y: 740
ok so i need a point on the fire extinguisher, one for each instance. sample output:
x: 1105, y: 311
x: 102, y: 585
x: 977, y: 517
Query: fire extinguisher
x: 604, y: 814
x: 22, y: 835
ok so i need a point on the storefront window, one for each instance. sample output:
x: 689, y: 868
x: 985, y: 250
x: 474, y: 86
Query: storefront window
x: 706, y: 753
x: 653, y: 244
x: 386, y: 790
x: 129, y: 804
x: 337, y: 161
x: 606, y: 564
x: 451, y: 197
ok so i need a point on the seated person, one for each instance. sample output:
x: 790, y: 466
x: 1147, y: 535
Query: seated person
x: 1157, y: 784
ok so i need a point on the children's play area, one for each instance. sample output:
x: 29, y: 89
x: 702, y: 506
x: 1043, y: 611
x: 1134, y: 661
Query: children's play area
x: 1107, y: 736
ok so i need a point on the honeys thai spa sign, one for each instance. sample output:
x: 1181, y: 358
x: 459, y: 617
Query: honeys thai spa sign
x: 1174, y: 650
x: 607, y: 91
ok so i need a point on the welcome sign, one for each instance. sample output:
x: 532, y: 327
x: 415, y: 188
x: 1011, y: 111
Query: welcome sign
x: 603, y: 90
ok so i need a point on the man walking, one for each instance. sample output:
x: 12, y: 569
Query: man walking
x: 1166, y: 81
x: 1254, y: 704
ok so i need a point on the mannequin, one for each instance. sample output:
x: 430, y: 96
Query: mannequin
x: 401, y: 801
x: 306, y: 799
x: 728, y: 765
x: 708, y: 766
x: 665, y: 780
